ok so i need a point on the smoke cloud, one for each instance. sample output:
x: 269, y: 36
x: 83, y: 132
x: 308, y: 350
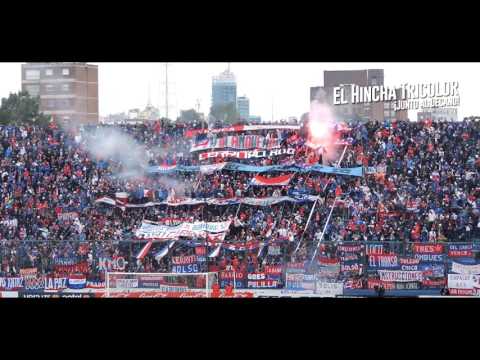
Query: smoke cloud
x: 111, y: 144
x: 321, y: 125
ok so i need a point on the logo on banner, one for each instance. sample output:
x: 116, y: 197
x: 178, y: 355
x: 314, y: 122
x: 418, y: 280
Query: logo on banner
x: 107, y: 264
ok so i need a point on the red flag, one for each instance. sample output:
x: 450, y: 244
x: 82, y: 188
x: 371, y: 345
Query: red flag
x: 338, y: 191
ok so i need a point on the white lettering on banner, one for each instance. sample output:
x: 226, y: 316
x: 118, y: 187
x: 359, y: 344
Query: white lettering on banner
x: 461, y: 281
x: 465, y: 269
x: 383, y: 261
x: 163, y: 232
x: 55, y: 283
x: 34, y: 283
x: 258, y: 153
x: 127, y: 283
x: 9, y: 223
x: 256, y: 276
x: 329, y: 289
x: 11, y: 283
x: 401, y: 276
x: 374, y: 249
x: 191, y: 268
x: 106, y: 264
x: 409, y: 267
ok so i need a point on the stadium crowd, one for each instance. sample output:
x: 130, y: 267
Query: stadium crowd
x: 420, y: 184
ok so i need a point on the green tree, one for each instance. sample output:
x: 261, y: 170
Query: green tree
x: 22, y: 109
x: 226, y: 113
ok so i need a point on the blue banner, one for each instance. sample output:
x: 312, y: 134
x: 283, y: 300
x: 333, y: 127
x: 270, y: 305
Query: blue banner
x: 190, y: 268
x: 357, y: 171
x: 432, y: 258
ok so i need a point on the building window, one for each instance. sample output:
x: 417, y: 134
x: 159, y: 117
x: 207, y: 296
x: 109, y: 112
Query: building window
x: 50, y: 104
x: 32, y: 74
x: 33, y: 90
x: 65, y: 71
x: 65, y: 87
x: 49, y: 88
x: 48, y: 72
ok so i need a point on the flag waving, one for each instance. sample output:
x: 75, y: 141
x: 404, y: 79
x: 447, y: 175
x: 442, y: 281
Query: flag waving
x: 144, y: 251
x: 275, y: 181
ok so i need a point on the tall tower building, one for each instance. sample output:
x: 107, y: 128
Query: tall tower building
x: 224, y: 89
x: 243, y: 107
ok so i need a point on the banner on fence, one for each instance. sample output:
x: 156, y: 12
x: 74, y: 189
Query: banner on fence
x: 260, y: 281
x: 408, y: 261
x: 465, y: 269
x: 350, y: 248
x: 226, y: 278
x: 463, y: 250
x: 374, y: 249
x: 36, y: 283
x: 300, y: 281
x: 28, y: 272
x: 387, y: 285
x: 81, y: 267
x: 55, y: 283
x: 184, y: 260
x: 463, y: 281
x: 434, y: 283
x: 431, y: 258
x: 112, y: 264
x: 329, y: 289
x: 353, y: 284
x: 435, y: 270
x: 351, y: 267
x: 190, y: 268
x: 383, y: 261
x: 427, y: 249
x: 11, y: 283
x: 400, y: 276
x: 77, y: 281
x: 409, y: 285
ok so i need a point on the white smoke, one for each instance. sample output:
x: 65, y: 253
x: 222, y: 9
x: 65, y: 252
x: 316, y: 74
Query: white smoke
x: 113, y: 145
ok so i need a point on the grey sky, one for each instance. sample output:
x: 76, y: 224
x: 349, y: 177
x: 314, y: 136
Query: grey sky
x: 124, y: 86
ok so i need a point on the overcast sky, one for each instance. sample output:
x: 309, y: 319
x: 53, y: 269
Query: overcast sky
x: 123, y: 86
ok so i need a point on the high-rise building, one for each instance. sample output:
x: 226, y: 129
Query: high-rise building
x: 68, y: 91
x: 363, y: 111
x: 243, y: 107
x: 224, y: 89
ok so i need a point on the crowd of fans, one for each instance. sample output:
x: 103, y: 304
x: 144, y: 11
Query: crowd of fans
x: 420, y: 184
